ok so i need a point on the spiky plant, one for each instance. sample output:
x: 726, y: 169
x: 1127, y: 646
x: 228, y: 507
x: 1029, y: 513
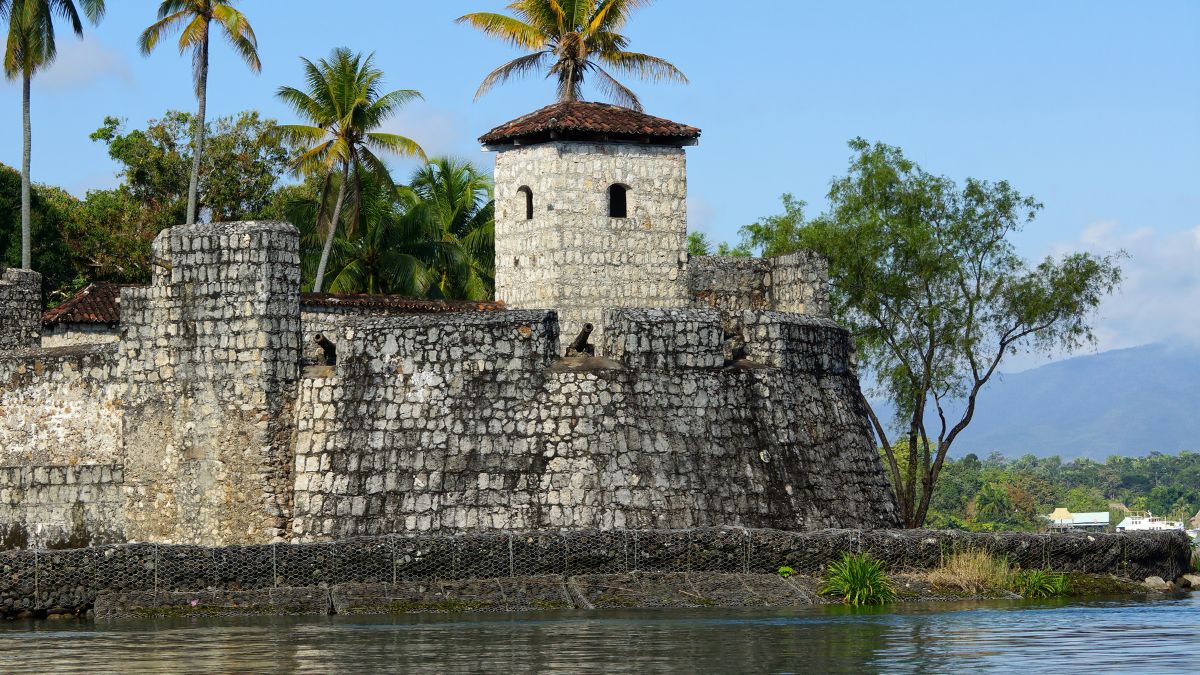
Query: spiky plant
x: 571, y: 40
x: 858, y: 580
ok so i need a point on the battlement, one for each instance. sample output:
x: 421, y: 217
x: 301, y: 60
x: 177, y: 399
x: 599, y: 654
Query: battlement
x: 20, y: 308
x: 205, y: 423
x: 796, y: 283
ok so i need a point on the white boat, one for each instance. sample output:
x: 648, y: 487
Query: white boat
x: 1138, y: 522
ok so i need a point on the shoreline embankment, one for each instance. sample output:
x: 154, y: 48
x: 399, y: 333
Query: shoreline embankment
x: 518, y: 571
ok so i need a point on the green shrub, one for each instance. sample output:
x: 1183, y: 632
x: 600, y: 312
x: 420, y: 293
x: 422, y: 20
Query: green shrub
x: 786, y: 571
x: 858, y: 580
x: 1041, y: 584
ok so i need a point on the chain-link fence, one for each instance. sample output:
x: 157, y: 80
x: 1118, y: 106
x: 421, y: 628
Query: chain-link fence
x: 39, y: 580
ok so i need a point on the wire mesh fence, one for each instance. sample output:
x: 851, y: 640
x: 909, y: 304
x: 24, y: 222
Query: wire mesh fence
x: 40, y: 579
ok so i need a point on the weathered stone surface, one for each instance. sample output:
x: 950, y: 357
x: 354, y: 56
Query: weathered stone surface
x: 20, y: 308
x: 211, y: 433
x: 571, y: 256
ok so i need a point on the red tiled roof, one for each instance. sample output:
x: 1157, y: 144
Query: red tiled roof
x: 97, y: 303
x: 394, y: 304
x: 579, y: 120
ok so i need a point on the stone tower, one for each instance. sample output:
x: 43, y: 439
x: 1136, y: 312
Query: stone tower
x: 591, y: 212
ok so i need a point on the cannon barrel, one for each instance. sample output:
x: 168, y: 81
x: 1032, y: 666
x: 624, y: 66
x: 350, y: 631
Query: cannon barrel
x: 579, y: 346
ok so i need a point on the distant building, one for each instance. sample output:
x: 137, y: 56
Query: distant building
x: 1063, y: 520
x: 1136, y: 522
x: 91, y: 316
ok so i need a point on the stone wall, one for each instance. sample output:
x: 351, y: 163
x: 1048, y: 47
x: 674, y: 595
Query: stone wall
x: 20, y: 308
x: 796, y: 283
x: 571, y: 256
x: 38, y: 581
x: 211, y: 358
x: 61, y: 506
x: 60, y: 407
x: 452, y: 424
x: 79, y: 334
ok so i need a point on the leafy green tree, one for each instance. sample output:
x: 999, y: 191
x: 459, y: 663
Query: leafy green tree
x: 193, y: 18
x: 570, y: 39
x: 993, y: 503
x: 698, y: 244
x: 778, y: 234
x: 345, y: 110
x: 244, y: 159
x: 741, y: 250
x: 30, y: 48
x: 51, y: 209
x: 924, y: 275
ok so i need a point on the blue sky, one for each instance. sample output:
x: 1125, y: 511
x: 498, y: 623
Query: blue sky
x: 1092, y: 106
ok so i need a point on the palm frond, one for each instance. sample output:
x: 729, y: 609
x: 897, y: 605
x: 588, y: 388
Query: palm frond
x: 513, y: 31
x: 519, y: 66
x: 643, y: 65
x: 619, y: 93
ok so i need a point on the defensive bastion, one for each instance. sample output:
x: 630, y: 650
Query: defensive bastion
x: 715, y: 392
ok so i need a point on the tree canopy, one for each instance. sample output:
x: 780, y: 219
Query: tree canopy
x: 571, y: 40
x: 924, y: 273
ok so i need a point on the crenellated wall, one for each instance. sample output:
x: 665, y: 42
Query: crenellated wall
x: 203, y: 424
x: 20, y: 308
x: 211, y: 358
x: 451, y: 424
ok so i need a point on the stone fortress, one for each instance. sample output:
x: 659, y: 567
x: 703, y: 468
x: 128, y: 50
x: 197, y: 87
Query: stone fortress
x: 710, y: 391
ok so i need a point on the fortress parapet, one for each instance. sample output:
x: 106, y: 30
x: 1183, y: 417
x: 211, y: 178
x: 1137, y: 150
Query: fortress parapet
x: 20, y: 308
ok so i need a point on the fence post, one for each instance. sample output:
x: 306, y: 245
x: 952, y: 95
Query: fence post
x: 746, y: 551
x: 156, y: 564
x: 274, y: 566
x: 511, y: 566
x: 37, y: 569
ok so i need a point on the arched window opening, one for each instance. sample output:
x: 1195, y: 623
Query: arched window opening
x: 617, y: 201
x: 525, y: 192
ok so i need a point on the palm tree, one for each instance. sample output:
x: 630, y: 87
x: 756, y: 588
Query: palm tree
x: 30, y: 48
x: 384, y: 252
x: 570, y: 39
x: 455, y: 203
x: 193, y: 18
x: 345, y: 109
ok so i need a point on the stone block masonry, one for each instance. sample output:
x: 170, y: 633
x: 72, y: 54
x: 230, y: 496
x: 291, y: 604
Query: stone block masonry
x: 20, y: 309
x: 567, y: 253
x: 433, y: 424
x: 201, y: 425
x: 211, y: 357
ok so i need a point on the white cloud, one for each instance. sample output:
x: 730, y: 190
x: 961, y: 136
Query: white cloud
x: 1159, y: 298
x: 83, y: 63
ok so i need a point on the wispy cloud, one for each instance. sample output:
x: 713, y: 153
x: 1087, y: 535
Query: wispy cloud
x: 1159, y: 299
x: 81, y: 64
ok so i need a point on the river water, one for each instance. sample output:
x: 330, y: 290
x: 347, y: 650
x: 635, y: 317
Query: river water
x: 1117, y: 636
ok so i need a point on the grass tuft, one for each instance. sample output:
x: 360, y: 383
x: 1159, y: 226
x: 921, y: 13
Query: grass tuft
x: 972, y: 571
x: 858, y: 580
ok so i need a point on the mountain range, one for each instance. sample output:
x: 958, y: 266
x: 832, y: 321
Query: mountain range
x: 1121, y: 402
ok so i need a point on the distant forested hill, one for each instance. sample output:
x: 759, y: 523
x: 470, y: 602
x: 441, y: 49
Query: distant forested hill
x: 1122, y: 402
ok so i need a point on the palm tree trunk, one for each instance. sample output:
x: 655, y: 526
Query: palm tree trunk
x: 319, y: 281
x: 198, y: 138
x: 26, y: 196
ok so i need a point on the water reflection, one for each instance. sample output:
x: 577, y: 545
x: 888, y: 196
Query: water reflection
x: 1158, y: 636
